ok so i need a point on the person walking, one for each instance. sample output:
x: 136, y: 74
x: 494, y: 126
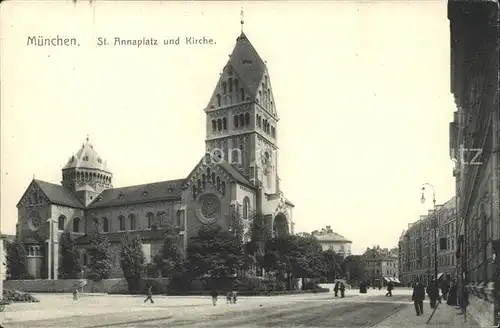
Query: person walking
x: 390, y: 287
x: 418, y: 297
x: 433, y: 293
x: 336, y: 289
x: 342, y: 290
x: 445, y: 288
x: 215, y: 295
x: 149, y: 295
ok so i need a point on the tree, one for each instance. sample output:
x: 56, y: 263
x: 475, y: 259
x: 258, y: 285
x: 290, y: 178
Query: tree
x: 214, y: 254
x: 171, y: 258
x: 258, y: 235
x: 294, y: 257
x: 132, y: 262
x: 331, y: 264
x: 16, y: 267
x: 101, y: 257
x: 354, y: 268
x: 69, y: 267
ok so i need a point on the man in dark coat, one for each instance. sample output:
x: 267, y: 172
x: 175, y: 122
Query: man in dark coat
x: 390, y: 287
x: 342, y: 290
x: 418, y: 297
x: 336, y: 288
x: 445, y: 288
x: 452, y: 295
x: 433, y: 293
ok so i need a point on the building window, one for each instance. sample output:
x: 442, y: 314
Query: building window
x: 242, y: 94
x: 121, y: 222
x: 150, y: 217
x: 247, y: 119
x: 214, y: 125
x: 224, y: 123
x: 230, y: 84
x: 242, y: 120
x: 236, y: 121
x: 76, y: 225
x: 61, y: 223
x: 131, y: 218
x: 105, y: 224
x: 246, y: 208
x: 224, y: 88
x: 218, y: 183
x: 223, y: 188
x: 218, y: 100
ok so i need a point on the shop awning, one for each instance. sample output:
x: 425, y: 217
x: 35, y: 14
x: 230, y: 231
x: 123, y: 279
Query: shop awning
x: 390, y: 279
x: 386, y: 279
x: 440, y: 275
x: 396, y: 280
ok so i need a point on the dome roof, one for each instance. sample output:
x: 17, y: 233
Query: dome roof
x: 87, y: 158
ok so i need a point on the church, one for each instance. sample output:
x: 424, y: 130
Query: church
x: 237, y: 174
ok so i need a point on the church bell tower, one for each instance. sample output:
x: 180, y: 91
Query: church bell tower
x: 241, y: 117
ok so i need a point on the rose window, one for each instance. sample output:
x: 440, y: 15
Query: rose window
x: 209, y: 208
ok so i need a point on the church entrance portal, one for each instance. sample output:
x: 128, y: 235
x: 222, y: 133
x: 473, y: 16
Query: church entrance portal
x: 280, y: 225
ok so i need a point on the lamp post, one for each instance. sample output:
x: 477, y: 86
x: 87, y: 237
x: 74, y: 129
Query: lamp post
x: 422, y: 199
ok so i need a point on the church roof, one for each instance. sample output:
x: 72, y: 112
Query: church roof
x: 57, y: 194
x: 87, y: 158
x: 139, y: 194
x: 247, y: 63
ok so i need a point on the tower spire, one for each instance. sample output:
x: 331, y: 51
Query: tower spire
x: 242, y: 19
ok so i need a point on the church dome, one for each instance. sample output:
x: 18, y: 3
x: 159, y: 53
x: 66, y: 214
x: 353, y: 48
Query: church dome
x: 87, y: 158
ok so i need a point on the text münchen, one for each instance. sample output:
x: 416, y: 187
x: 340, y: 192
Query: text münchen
x: 57, y: 41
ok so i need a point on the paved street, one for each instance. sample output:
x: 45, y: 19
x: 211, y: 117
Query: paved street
x: 312, y: 310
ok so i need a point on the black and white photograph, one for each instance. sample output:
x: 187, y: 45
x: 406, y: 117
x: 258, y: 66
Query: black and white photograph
x: 211, y: 164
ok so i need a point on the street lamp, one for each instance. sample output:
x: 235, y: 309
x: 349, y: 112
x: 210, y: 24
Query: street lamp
x: 422, y: 199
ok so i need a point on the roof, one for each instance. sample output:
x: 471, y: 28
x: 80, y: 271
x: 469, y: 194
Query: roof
x: 171, y: 189
x: 229, y: 168
x: 247, y: 64
x: 87, y: 158
x: 116, y: 237
x: 57, y: 194
x: 330, y: 236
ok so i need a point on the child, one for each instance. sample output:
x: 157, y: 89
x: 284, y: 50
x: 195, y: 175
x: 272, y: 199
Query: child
x: 75, y: 294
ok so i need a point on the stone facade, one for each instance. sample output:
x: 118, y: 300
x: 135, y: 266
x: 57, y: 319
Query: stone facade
x: 381, y: 266
x: 417, y: 246
x: 238, y: 175
x: 474, y: 145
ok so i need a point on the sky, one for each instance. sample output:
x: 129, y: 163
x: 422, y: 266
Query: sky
x: 361, y: 88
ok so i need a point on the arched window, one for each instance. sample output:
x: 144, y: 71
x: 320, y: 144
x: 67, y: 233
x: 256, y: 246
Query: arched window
x: 214, y: 125
x: 247, y: 119
x: 161, y: 218
x: 193, y: 191
x: 236, y: 121
x: 242, y: 94
x: 105, y: 224
x: 219, y: 124
x: 131, y: 219
x: 218, y: 101
x: 235, y: 156
x: 218, y: 183
x: 121, y: 222
x: 213, y: 178
x: 246, y: 205
x: 76, y: 225
x: 230, y: 84
x: 203, y: 180
x: 150, y: 217
x: 224, y: 123
x: 61, y: 223
x: 224, y: 88
x: 199, y: 183
x: 236, y: 88
x: 242, y: 119
x: 208, y: 173
x: 223, y: 188
x: 95, y: 222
